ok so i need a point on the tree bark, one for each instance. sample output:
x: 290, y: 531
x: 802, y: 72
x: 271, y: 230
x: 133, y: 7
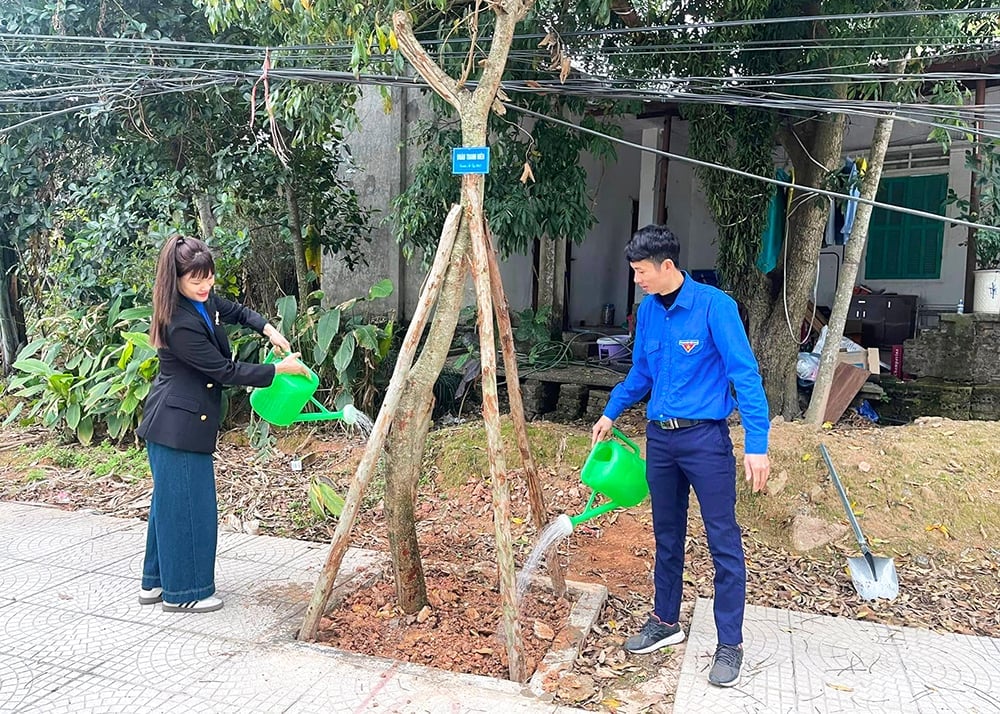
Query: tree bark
x: 13, y: 334
x: 536, y: 498
x: 552, y: 281
x: 814, y: 149
x: 849, y: 273
x: 472, y: 190
x: 298, y: 246
x: 373, y: 449
x: 206, y: 218
x: 406, y: 442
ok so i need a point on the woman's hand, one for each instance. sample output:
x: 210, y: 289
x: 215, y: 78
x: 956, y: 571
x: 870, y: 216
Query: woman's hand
x: 281, y: 345
x: 291, y: 365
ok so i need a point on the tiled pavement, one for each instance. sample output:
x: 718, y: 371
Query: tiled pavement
x: 795, y: 662
x: 73, y: 638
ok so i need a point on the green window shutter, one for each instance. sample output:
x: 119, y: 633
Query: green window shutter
x: 901, y: 246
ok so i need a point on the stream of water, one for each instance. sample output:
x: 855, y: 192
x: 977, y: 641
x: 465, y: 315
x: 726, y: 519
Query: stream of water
x: 363, y: 423
x: 554, y: 532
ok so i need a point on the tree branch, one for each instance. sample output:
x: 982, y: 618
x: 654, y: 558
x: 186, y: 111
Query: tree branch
x: 436, y: 77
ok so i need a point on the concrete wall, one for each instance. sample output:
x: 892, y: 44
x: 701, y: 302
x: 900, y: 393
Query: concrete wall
x: 380, y: 163
x: 598, y: 272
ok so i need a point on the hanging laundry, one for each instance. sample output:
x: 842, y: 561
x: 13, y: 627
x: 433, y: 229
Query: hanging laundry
x: 774, y: 230
x: 830, y: 236
x: 855, y: 172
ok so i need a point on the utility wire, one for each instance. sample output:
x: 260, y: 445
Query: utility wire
x: 756, y: 177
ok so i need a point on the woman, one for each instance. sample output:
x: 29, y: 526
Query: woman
x: 181, y: 418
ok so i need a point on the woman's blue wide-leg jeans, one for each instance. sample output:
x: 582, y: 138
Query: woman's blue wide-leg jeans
x: 182, y: 532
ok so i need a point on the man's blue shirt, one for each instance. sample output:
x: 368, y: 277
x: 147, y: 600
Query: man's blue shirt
x: 689, y: 356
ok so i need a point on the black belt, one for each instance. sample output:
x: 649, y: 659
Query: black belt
x: 679, y: 423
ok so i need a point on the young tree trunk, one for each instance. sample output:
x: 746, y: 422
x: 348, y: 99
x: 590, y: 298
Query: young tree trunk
x: 814, y: 149
x: 539, y: 513
x: 406, y: 441
x: 849, y: 273
x: 472, y: 196
x: 373, y: 449
x: 298, y: 246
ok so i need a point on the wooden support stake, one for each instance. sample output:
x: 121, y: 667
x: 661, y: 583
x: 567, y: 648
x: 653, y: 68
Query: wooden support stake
x: 376, y: 442
x: 539, y: 513
x: 471, y: 187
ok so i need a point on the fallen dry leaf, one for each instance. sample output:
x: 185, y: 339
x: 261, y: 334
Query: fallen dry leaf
x: 543, y: 631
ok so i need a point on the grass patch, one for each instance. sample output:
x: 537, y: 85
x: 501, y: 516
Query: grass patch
x: 459, y: 453
x: 100, y: 460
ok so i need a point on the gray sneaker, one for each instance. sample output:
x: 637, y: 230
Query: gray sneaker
x: 654, y: 635
x: 726, y: 666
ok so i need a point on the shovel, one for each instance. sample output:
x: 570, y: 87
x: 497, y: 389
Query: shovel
x: 873, y: 577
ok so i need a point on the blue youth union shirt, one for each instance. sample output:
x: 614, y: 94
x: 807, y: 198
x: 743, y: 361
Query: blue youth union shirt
x: 689, y: 356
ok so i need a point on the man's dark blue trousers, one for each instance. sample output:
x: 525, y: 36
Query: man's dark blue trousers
x: 698, y: 457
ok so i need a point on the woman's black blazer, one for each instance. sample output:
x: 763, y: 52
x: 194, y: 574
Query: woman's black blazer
x: 183, y: 409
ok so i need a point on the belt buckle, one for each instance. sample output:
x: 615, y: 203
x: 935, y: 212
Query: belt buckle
x: 670, y: 423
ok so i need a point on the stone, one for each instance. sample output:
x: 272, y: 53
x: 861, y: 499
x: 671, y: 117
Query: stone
x: 572, y: 401
x: 776, y: 484
x: 809, y: 532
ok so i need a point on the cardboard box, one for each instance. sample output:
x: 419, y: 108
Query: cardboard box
x: 865, y: 360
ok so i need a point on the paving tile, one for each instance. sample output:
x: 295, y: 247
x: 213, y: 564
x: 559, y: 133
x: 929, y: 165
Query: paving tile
x: 90, y: 693
x: 797, y: 662
x: 377, y: 684
x: 97, y: 552
x: 28, y: 543
x: 23, y: 579
x: 82, y: 642
x: 265, y: 549
x: 23, y: 682
x: 129, y: 566
x: 170, y: 661
x: 84, y: 523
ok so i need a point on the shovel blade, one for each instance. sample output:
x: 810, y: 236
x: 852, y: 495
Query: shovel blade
x: 884, y: 583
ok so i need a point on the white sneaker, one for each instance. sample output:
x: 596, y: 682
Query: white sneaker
x: 151, y: 596
x: 208, y: 604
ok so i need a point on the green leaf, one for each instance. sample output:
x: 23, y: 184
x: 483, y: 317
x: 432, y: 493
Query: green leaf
x: 14, y: 413
x: 34, y: 366
x: 287, y: 312
x: 332, y: 501
x: 367, y: 337
x: 139, y: 339
x: 381, y: 289
x: 326, y: 330
x: 73, y: 415
x: 345, y: 354
x: 85, y: 430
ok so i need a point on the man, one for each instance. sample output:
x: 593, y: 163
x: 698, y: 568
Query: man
x: 690, y: 348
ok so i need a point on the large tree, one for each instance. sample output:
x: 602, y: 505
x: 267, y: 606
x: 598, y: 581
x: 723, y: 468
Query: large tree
x: 751, y: 78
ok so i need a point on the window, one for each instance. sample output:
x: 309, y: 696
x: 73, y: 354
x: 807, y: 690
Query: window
x: 901, y: 246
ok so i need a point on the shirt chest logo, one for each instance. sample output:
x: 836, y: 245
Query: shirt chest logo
x: 688, y: 345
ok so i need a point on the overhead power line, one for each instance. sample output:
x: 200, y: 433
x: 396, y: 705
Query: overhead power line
x: 747, y: 174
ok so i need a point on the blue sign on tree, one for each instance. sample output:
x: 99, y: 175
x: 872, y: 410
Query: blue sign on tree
x: 470, y: 160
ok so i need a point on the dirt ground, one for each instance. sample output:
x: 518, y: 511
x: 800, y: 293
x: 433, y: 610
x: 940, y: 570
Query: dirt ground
x: 926, y: 495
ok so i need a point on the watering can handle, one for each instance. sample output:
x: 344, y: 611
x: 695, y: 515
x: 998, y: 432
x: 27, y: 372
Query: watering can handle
x: 625, y: 440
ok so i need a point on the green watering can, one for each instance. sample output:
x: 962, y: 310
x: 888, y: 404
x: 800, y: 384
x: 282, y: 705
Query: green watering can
x: 615, y: 470
x: 281, y: 404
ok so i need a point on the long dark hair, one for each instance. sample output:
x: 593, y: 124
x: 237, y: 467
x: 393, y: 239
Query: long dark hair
x: 179, y: 256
